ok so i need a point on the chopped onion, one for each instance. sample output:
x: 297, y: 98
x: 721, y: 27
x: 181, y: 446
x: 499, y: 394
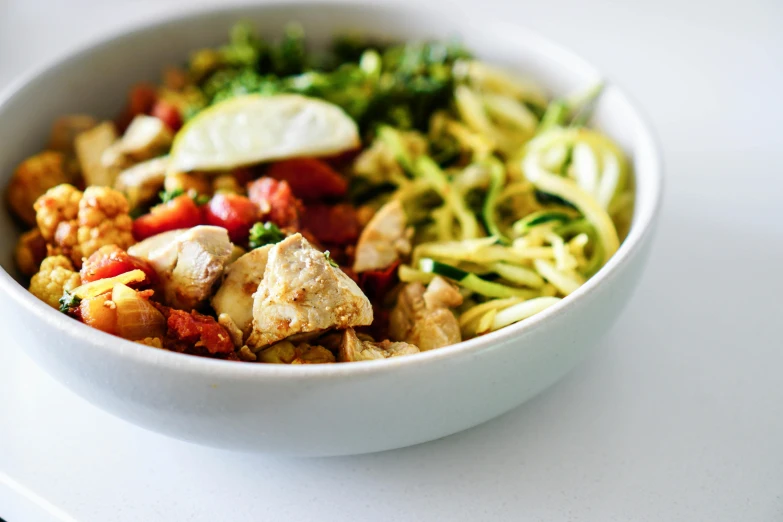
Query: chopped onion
x: 137, y: 318
x: 101, y: 286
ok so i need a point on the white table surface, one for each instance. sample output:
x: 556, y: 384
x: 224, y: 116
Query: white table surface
x: 678, y: 418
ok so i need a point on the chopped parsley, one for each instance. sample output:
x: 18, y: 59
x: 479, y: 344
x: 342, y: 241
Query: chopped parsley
x: 168, y: 195
x: 328, y: 256
x: 265, y: 234
x: 69, y: 301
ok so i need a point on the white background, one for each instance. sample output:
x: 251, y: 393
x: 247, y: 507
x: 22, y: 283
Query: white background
x: 678, y: 418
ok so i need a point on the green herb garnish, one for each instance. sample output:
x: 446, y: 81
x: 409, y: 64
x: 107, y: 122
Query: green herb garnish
x: 332, y: 262
x: 167, y: 195
x: 265, y: 234
x: 68, y: 301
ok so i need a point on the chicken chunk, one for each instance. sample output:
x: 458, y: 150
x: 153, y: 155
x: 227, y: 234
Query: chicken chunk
x: 90, y: 147
x: 383, y: 239
x: 423, y: 318
x: 235, y: 295
x: 145, y: 138
x: 302, y: 291
x: 189, y: 263
x: 32, y: 179
x: 354, y: 349
x: 142, y: 182
x: 55, y: 277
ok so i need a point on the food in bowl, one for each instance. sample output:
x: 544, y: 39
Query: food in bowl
x: 270, y: 204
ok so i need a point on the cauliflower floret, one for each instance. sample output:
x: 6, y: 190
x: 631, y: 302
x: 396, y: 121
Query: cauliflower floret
x: 30, y: 251
x: 76, y: 224
x: 32, y: 179
x: 103, y: 220
x: 59, y: 204
x: 55, y: 277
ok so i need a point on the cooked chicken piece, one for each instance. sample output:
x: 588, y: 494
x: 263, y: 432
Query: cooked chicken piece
x: 236, y: 252
x: 90, y: 147
x: 354, y: 349
x: 302, y: 291
x: 286, y: 352
x: 142, y: 182
x: 151, y: 244
x: 442, y: 294
x: 422, y: 317
x: 383, y: 239
x: 237, y: 337
x: 234, y: 298
x: 189, y: 264
x: 145, y: 138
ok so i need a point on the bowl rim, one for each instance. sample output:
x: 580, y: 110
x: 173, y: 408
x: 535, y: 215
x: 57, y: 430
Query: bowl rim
x: 642, y: 224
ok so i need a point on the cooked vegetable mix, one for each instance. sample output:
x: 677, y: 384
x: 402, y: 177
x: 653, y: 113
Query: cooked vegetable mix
x: 272, y: 204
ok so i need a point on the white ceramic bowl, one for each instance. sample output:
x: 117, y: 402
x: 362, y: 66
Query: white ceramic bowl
x: 321, y: 409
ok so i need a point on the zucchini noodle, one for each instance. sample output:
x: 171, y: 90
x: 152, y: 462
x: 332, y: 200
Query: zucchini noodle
x: 530, y: 204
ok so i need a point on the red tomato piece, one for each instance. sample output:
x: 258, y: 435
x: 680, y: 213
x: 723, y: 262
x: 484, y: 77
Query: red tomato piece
x: 180, y: 212
x: 377, y: 283
x: 199, y: 329
x: 276, y: 201
x: 233, y: 212
x: 335, y: 224
x: 168, y: 114
x: 310, y: 179
x: 111, y: 260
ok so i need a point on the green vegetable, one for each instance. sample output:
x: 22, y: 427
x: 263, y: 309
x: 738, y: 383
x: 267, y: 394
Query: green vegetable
x: 497, y: 174
x: 290, y: 56
x: 523, y: 226
x: 402, y: 85
x: 329, y: 259
x: 167, y: 195
x: 69, y: 301
x: 265, y: 234
x: 471, y: 281
x: 556, y: 114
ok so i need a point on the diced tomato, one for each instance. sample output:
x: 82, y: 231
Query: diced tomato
x: 95, y: 312
x: 141, y: 99
x: 111, y: 260
x: 377, y: 283
x: 276, y: 201
x: 233, y: 212
x: 199, y: 330
x: 335, y: 224
x: 310, y: 179
x: 168, y: 114
x: 180, y: 212
x: 342, y: 159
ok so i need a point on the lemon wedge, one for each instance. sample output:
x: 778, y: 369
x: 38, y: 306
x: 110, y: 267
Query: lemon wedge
x: 254, y: 128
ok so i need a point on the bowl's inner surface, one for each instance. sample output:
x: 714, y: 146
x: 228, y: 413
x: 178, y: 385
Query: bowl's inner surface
x: 96, y: 81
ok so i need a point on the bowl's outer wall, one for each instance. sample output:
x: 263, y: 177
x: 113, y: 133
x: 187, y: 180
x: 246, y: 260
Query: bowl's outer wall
x: 360, y: 411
